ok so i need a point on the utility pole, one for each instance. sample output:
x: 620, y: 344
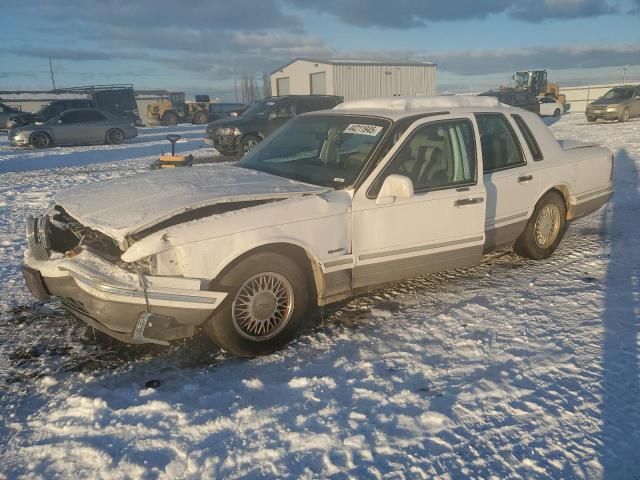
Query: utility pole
x: 624, y: 73
x: 53, y: 80
x: 235, y: 81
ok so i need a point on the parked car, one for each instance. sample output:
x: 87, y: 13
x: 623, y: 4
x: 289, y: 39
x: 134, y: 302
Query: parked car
x: 236, y: 136
x: 515, y: 98
x: 218, y: 111
x: 550, y: 107
x: 333, y: 204
x: 619, y: 103
x: 12, y: 117
x: 75, y: 127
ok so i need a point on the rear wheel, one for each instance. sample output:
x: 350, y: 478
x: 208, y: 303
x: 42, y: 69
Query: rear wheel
x: 40, y: 140
x: 591, y: 119
x: 556, y: 112
x: 626, y: 115
x: 115, y: 136
x: 265, y: 308
x: 169, y: 118
x: 200, y: 118
x: 544, y: 229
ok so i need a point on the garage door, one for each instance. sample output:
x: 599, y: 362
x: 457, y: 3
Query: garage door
x: 282, y: 85
x: 319, y: 83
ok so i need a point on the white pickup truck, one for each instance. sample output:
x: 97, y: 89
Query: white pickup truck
x: 332, y: 204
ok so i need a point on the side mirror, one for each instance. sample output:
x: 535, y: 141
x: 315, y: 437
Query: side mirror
x: 59, y: 122
x: 394, y: 186
x: 233, y: 114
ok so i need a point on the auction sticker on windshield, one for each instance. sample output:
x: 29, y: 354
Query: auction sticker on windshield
x: 362, y: 129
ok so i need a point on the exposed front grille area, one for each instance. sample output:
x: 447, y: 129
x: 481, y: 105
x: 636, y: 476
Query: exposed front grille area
x: 57, y: 232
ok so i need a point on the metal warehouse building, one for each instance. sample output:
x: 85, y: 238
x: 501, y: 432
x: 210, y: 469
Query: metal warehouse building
x: 354, y: 79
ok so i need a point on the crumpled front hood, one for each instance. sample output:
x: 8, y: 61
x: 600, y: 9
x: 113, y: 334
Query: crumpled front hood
x: 127, y: 205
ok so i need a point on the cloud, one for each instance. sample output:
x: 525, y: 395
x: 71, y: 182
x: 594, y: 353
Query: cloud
x: 416, y: 13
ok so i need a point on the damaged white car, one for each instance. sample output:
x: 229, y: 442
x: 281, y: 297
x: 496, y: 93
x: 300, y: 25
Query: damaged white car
x: 332, y: 204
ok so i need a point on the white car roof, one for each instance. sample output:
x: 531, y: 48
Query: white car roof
x: 398, y: 107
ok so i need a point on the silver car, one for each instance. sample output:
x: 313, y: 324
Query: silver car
x: 85, y: 126
x: 619, y: 103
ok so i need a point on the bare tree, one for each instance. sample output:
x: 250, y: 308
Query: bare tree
x: 266, y: 85
x: 249, y: 88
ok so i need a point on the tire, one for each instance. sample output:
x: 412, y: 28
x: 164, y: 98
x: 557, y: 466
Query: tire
x: 248, y: 143
x: 544, y: 229
x: 237, y: 326
x: 40, y: 140
x: 169, y: 118
x: 556, y: 113
x: 199, y: 118
x: 626, y: 116
x: 591, y: 119
x: 115, y: 136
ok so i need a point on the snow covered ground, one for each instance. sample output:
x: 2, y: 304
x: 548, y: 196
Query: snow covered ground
x: 511, y: 369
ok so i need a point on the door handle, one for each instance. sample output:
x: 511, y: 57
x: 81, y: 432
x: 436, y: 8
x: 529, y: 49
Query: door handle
x: 461, y: 202
x: 525, y: 178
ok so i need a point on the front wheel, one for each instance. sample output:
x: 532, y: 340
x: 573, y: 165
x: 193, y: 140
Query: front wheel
x: 626, y: 115
x: 544, y: 229
x: 591, y: 119
x: 248, y: 143
x: 40, y: 140
x: 265, y: 308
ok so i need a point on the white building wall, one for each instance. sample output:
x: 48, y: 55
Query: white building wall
x: 580, y: 97
x: 299, y: 77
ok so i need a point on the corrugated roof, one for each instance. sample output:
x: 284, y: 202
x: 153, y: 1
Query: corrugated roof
x: 356, y: 61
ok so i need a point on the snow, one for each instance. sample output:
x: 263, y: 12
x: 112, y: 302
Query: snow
x: 407, y: 104
x: 510, y: 369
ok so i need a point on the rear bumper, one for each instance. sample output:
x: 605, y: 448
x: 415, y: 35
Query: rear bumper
x: 113, y: 301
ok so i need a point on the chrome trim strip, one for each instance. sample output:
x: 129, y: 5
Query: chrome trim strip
x: 337, y: 263
x: 420, y: 248
x: 595, y: 193
x: 505, y: 219
x: 129, y: 292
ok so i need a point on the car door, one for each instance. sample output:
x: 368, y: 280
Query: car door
x: 437, y: 225
x: 63, y: 129
x: 510, y: 186
x: 92, y: 127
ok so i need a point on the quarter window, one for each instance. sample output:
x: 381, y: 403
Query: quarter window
x: 436, y: 156
x: 534, y: 148
x: 500, y: 146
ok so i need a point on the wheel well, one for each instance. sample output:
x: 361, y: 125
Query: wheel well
x: 294, y: 252
x: 563, y: 190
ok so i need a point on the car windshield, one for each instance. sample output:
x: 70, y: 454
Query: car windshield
x: 618, y: 94
x: 326, y: 150
x: 259, y: 108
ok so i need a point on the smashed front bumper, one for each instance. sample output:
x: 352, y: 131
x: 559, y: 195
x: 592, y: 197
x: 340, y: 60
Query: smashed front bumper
x: 116, y: 302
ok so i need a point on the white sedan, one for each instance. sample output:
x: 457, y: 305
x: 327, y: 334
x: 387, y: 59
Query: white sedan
x: 333, y: 204
x: 550, y: 107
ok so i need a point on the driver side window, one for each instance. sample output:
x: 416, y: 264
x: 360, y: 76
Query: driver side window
x: 285, y: 110
x: 436, y: 156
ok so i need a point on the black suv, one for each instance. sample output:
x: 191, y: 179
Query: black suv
x: 56, y: 107
x: 515, y: 98
x: 236, y: 136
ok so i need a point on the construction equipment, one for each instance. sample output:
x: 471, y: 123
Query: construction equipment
x: 535, y: 82
x: 172, y: 109
x: 173, y: 160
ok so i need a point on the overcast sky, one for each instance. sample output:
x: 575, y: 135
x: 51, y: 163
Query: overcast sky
x: 193, y: 46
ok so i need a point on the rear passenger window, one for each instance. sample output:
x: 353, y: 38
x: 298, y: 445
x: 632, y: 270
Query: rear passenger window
x: 500, y: 146
x: 534, y: 148
x: 437, y: 155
